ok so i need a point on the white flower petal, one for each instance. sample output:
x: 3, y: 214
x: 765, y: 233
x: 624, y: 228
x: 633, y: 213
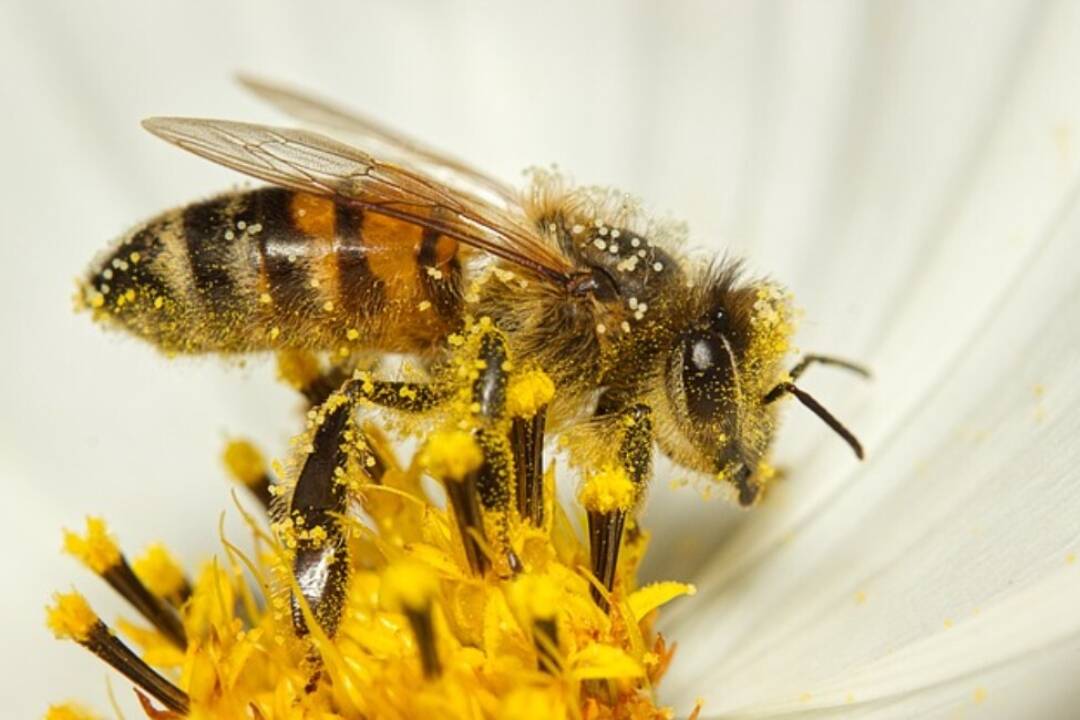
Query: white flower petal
x: 969, y: 501
x: 969, y: 495
x: 974, y: 496
x: 908, y: 169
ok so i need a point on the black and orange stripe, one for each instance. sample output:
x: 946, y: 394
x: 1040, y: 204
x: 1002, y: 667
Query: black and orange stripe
x: 272, y: 268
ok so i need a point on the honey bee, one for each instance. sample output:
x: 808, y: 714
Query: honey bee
x: 397, y: 248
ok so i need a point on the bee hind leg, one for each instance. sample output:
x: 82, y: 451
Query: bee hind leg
x: 319, y: 500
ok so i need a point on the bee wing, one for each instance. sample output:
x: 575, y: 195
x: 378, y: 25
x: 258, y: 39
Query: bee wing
x: 310, y: 162
x: 370, y: 133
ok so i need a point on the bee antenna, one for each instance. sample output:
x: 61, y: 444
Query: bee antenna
x: 818, y: 409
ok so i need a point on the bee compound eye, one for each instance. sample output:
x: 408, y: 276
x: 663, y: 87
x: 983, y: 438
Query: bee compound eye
x: 706, y: 374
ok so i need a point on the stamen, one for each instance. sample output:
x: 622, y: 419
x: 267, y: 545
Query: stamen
x: 70, y: 617
x: 247, y: 467
x: 410, y: 589
x: 99, y: 552
x: 162, y: 575
x: 607, y: 498
x: 541, y: 598
x: 455, y: 458
x: 301, y: 371
x: 527, y: 401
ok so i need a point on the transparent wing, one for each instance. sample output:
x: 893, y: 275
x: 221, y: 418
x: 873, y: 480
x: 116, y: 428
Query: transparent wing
x: 371, y: 134
x: 310, y: 162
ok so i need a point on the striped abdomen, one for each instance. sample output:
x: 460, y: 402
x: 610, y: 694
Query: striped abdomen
x: 273, y: 268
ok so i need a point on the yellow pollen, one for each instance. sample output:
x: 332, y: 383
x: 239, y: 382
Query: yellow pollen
x: 244, y: 462
x: 539, y: 595
x: 69, y: 711
x: 607, y: 491
x: 437, y: 601
x: 407, y: 585
x: 96, y: 549
x: 297, y: 368
x: 451, y: 455
x: 159, y: 572
x: 528, y: 393
x: 644, y: 600
x: 70, y: 617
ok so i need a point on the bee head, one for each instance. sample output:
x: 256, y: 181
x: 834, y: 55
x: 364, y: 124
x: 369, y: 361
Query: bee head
x: 725, y: 360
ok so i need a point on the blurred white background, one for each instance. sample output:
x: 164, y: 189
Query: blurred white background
x: 894, y: 163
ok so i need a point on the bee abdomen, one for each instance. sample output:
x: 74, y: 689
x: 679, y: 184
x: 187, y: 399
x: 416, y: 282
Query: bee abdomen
x: 273, y: 269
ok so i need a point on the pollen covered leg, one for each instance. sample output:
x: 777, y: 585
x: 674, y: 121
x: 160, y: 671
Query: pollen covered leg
x: 495, y: 478
x: 313, y: 527
x: 392, y: 394
x: 474, y: 460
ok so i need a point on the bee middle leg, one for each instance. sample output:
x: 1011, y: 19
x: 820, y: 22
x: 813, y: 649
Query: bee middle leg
x: 487, y: 490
